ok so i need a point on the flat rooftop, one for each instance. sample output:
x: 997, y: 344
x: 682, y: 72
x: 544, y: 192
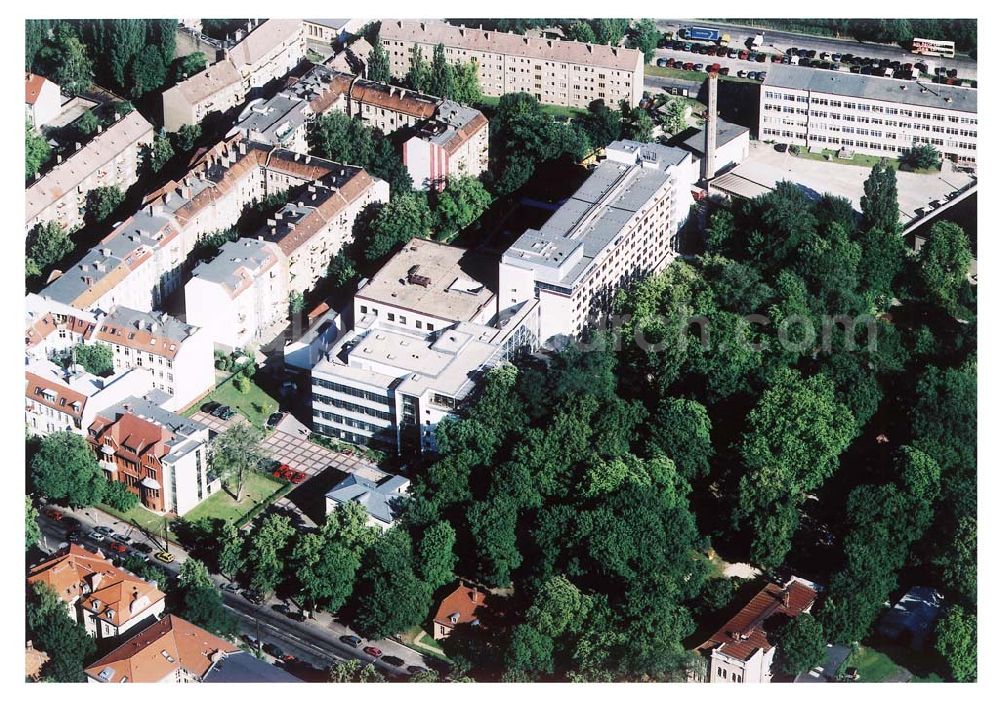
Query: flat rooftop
x: 917, y: 93
x: 587, y: 223
x: 433, y: 279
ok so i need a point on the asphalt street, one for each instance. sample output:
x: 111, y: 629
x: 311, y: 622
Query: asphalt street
x: 315, y: 641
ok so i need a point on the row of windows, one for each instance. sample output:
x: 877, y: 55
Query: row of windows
x: 343, y: 404
x: 353, y: 392
x: 348, y: 421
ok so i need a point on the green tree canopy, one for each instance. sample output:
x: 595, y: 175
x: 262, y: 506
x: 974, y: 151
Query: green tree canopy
x: 461, y: 203
x: 47, y: 244
x: 65, y: 468
x: 401, y: 219
x: 956, y: 642
x: 36, y: 151
x: 266, y: 553
x: 235, y: 452
x: 944, y: 263
x: 102, y: 201
x: 880, y: 203
x: 378, y: 63
x: 32, y: 531
x: 801, y: 644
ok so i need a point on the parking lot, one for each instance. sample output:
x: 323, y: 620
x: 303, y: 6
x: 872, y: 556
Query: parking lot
x: 735, y: 65
x: 766, y: 167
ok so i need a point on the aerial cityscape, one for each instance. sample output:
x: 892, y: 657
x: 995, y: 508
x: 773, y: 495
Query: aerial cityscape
x: 501, y: 350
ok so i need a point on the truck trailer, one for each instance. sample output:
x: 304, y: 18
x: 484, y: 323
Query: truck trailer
x: 703, y: 34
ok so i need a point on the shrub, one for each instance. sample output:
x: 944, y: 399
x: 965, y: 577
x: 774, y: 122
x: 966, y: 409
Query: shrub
x: 242, y: 384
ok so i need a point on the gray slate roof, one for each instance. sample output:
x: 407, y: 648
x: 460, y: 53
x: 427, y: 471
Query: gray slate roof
x: 243, y: 667
x: 916, y: 93
x: 378, y: 499
x: 727, y: 132
x: 166, y: 326
x: 251, y: 254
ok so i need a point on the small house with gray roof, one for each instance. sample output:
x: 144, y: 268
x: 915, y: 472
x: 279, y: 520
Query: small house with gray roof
x: 382, y: 499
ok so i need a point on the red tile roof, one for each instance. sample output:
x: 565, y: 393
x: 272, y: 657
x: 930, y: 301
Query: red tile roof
x: 32, y: 87
x: 159, y: 650
x: 463, y: 602
x: 64, y: 397
x: 76, y: 572
x: 744, y: 634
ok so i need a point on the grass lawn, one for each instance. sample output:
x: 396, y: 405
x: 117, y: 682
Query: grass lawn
x: 553, y: 110
x: 259, y: 488
x: 420, y: 640
x: 149, y: 521
x: 873, y: 666
x: 865, y: 160
x: 697, y: 76
x: 256, y: 405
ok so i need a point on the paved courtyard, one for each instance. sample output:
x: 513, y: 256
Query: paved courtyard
x: 214, y: 424
x: 766, y: 167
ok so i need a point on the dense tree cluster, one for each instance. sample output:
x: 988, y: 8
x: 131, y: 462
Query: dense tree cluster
x: 338, y: 137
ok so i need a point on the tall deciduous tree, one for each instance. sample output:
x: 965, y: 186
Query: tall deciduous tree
x: 378, y: 63
x: 800, y: 644
x: 235, y: 452
x: 66, y: 642
x: 36, y: 151
x: 795, y: 436
x: 880, y: 203
x: 47, y: 244
x: 419, y: 75
x: 65, y: 468
x: 325, y: 570
x: 681, y: 429
x: 436, y: 555
x: 231, y: 550
x: 467, y: 90
x: 32, y: 532
x: 442, y: 76
x: 392, y: 597
x: 461, y: 203
x: 147, y: 71
x: 401, y: 219
x: 102, y: 201
x: 267, y: 553
x: 944, y: 262
x: 956, y: 641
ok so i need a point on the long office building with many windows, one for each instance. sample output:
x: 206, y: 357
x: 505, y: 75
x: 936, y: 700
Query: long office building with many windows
x: 867, y: 114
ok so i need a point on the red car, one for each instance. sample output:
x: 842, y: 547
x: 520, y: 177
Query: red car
x: 117, y: 547
x: 286, y: 472
x: 53, y: 513
x: 372, y: 651
x: 714, y: 68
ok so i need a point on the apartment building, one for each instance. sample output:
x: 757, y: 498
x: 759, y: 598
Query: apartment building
x: 619, y: 226
x: 328, y: 31
x: 270, y: 51
x: 106, y: 600
x: 179, y: 356
x: 111, y: 158
x: 741, y: 651
x: 445, y: 138
x: 159, y: 456
x: 56, y: 399
x: 171, y: 650
x: 42, y: 100
x: 240, y: 293
x: 456, y: 142
x: 568, y: 73
x: 144, y: 260
x: 311, y: 229
x: 425, y: 329
x: 52, y: 329
x: 867, y: 114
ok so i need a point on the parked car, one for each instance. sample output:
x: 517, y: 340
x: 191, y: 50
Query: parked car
x: 714, y: 68
x: 761, y: 58
x: 210, y: 407
x: 688, y: 66
x: 53, y: 514
x: 792, y: 51
x: 687, y: 46
x: 699, y: 67
x: 743, y: 54
x: 752, y: 75
x: 661, y: 62
x: 273, y: 650
x: 96, y: 535
x: 835, y: 58
x: 117, y: 547
x: 811, y: 53
x: 106, y: 530
x: 273, y: 420
x: 74, y: 535
x: 733, y: 53
x: 373, y: 651
x: 122, y: 539
x: 724, y: 71
x: 393, y: 660
x: 165, y: 557
x: 761, y: 76
x: 252, y: 597
x: 230, y: 587
x: 352, y: 641
x: 721, y: 51
x: 741, y: 74
x: 252, y: 640
x: 669, y: 63
x: 142, y: 548
x: 414, y: 669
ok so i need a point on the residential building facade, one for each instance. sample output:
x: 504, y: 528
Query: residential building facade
x: 740, y: 652
x: 159, y: 456
x: 144, y: 260
x: 567, y: 73
x: 111, y: 158
x: 67, y: 400
x: 179, y: 356
x: 106, y: 600
x: 455, y: 143
x: 42, y: 100
x: 270, y: 51
x: 619, y: 226
x: 867, y: 114
x: 240, y: 293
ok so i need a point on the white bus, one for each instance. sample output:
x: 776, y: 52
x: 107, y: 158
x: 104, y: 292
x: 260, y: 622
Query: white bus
x: 931, y: 47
